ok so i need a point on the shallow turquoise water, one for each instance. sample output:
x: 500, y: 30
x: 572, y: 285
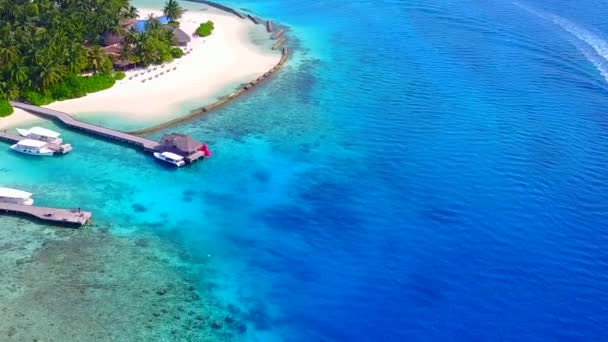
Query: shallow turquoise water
x: 420, y: 170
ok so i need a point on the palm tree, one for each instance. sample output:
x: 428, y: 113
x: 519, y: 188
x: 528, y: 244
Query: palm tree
x: 97, y: 59
x: 126, y: 54
x: 49, y: 74
x: 18, y: 74
x: 173, y: 10
x: 132, y: 12
x: 77, y: 58
x: 152, y: 23
x: 8, y: 55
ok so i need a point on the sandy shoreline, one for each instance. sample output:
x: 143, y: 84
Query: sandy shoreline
x: 226, y: 58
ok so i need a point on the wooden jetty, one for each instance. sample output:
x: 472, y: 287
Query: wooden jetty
x: 279, y: 44
x: 278, y: 34
x: 64, y: 217
x: 254, y: 19
x: 67, y: 120
x: 220, y: 7
x: 13, y: 139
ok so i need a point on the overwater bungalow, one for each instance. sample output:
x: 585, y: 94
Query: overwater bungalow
x: 181, y: 144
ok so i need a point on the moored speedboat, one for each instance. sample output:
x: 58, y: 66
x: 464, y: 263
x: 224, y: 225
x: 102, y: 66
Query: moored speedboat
x: 170, y: 158
x: 14, y: 196
x: 33, y: 147
x: 42, y: 134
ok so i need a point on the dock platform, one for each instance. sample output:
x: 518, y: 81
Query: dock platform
x: 13, y: 139
x: 64, y: 217
x: 67, y: 120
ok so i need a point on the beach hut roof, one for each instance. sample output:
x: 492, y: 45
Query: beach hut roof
x: 181, y: 36
x: 128, y: 23
x: 112, y: 50
x: 179, y: 143
x: 112, y: 38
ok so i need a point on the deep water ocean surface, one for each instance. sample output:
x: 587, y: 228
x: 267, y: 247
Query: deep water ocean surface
x: 421, y: 170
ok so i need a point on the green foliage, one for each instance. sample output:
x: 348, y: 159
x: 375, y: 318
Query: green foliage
x: 46, y: 44
x: 98, y: 82
x: 177, y: 52
x: 205, y: 29
x: 5, y: 108
x: 71, y: 87
x: 119, y: 75
x: 42, y: 46
x: 173, y: 10
x: 174, y: 23
x: 150, y: 47
x: 37, y: 98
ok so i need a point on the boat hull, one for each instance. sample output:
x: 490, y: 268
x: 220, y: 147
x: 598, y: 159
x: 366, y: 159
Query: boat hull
x: 159, y: 156
x: 44, y: 152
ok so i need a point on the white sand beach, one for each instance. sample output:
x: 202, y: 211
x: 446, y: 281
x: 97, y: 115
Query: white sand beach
x: 213, y: 64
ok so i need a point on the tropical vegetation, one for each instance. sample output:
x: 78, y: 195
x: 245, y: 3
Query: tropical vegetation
x: 177, y: 52
x: 173, y: 10
x: 205, y: 29
x: 46, y: 46
x: 151, y: 46
x: 5, y: 108
x: 119, y: 75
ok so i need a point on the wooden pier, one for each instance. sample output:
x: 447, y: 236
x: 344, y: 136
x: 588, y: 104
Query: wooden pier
x: 63, y: 217
x: 278, y: 34
x: 67, y: 120
x: 255, y: 20
x: 13, y: 139
x: 279, y: 44
x: 220, y: 7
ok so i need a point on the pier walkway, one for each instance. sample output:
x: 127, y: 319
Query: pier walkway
x: 67, y: 120
x: 67, y: 217
x: 109, y: 134
x: 13, y: 139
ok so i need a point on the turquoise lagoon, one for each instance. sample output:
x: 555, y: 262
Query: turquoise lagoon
x: 424, y: 170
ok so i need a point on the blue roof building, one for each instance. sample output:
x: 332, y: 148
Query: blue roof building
x: 140, y: 25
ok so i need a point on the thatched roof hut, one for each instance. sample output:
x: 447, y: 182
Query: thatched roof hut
x: 182, y: 37
x: 181, y: 144
x: 112, y: 39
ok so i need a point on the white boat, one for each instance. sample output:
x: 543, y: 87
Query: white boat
x: 14, y: 196
x: 170, y: 158
x: 42, y: 134
x: 33, y: 147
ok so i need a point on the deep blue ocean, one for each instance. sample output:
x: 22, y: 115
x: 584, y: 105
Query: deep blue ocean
x: 421, y: 170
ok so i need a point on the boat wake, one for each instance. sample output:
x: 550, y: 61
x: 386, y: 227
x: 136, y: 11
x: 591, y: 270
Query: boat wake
x: 590, y: 44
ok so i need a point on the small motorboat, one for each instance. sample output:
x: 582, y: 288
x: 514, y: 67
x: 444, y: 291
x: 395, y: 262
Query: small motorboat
x: 14, y: 196
x: 33, y: 147
x: 170, y: 158
x: 42, y: 134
